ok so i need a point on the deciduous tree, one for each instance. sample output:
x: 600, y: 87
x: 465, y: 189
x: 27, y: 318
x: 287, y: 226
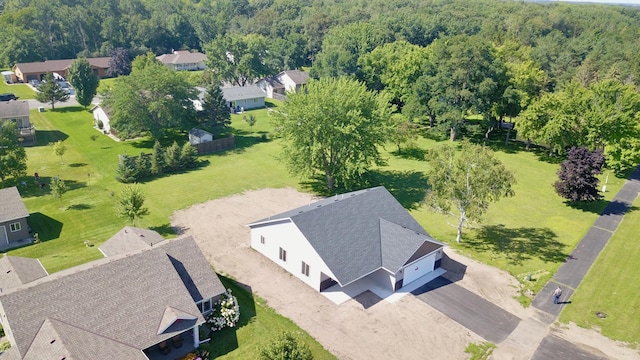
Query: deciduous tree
x: 466, y: 180
x: 131, y: 203
x: 238, y: 59
x: 50, y: 91
x: 335, y: 127
x: 577, y: 175
x: 120, y: 62
x: 13, y: 158
x: 59, y: 148
x: 84, y: 81
x: 58, y: 188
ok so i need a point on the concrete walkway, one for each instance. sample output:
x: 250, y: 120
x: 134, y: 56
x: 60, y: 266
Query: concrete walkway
x: 531, y: 338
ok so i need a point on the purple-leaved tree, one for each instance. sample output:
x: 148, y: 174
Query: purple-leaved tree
x: 577, y: 175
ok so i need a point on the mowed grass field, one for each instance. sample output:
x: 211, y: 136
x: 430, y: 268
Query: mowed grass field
x: 530, y: 233
x: 612, y: 286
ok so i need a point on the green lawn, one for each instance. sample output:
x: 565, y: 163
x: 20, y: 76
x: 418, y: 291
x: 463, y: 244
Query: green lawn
x: 258, y: 325
x: 612, y: 286
x: 22, y: 91
x: 531, y: 233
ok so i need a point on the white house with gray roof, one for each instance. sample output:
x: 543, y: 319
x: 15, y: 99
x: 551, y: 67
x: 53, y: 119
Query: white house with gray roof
x: 348, y: 238
x: 121, y: 307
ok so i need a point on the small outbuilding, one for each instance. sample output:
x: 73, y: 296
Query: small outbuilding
x: 199, y: 136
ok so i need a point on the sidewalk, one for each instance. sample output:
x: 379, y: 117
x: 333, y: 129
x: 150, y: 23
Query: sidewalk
x: 531, y: 339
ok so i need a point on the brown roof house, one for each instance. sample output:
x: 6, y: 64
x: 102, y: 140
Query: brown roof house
x: 130, y: 305
x: 26, y: 72
x: 14, y: 230
x: 183, y: 60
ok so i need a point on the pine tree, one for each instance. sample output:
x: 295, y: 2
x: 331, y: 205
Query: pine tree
x: 50, y: 91
x: 215, y: 115
x: 157, y: 159
x: 188, y: 156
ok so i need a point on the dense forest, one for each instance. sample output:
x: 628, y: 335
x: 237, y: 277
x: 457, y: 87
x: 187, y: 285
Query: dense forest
x: 567, y: 73
x: 565, y: 40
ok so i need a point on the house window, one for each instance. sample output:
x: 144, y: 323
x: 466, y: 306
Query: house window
x: 206, y: 306
x: 305, y: 268
x: 15, y: 227
x: 262, y: 239
x: 283, y: 254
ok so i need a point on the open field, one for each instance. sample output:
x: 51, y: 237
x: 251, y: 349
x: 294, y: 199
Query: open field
x: 530, y: 233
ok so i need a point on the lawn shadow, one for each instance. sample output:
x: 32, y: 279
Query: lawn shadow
x: 518, y: 244
x: 245, y: 139
x: 226, y: 340
x: 67, y: 109
x: 167, y: 230
x: 75, y: 165
x: 411, y: 153
x: 79, y: 207
x: 47, y: 228
x: 602, y: 207
x: 46, y: 137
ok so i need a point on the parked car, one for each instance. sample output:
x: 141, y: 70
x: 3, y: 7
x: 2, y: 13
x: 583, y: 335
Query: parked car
x: 7, y: 97
x: 34, y: 83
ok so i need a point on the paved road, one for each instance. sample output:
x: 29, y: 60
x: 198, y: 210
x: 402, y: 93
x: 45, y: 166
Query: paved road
x: 554, y: 348
x: 34, y: 104
x: 468, y: 309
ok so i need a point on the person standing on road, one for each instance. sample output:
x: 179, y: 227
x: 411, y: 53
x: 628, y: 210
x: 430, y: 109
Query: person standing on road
x: 556, y: 295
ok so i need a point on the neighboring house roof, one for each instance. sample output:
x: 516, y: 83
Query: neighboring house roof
x: 199, y: 133
x: 118, y: 301
x: 272, y: 82
x: 360, y: 232
x: 12, y: 205
x: 59, y: 65
x: 242, y: 93
x: 14, y: 109
x: 182, y: 57
x: 16, y: 271
x: 297, y: 76
x: 130, y: 239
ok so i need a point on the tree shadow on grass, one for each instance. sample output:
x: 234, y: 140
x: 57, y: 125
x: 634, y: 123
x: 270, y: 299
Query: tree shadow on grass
x: 75, y: 165
x: 41, y: 187
x: 411, y: 153
x: 226, y: 340
x: 519, y: 244
x: 79, y: 207
x: 47, y: 228
x: 167, y: 230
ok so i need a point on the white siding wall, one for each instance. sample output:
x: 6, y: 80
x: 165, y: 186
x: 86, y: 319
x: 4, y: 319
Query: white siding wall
x: 249, y: 103
x: 289, y: 237
x: 289, y: 85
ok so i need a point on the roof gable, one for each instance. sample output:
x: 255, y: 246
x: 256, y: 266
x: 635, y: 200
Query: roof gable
x: 355, y: 233
x: 171, y: 316
x: 12, y: 205
x: 130, y: 239
x: 297, y: 76
x: 14, y: 109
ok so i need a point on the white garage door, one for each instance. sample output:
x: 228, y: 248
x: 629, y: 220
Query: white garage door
x: 418, y: 269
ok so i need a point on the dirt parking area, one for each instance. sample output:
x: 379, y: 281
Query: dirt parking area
x: 364, y: 328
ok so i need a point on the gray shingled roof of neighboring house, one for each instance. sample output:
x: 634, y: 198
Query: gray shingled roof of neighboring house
x: 16, y: 271
x: 182, y: 57
x: 299, y: 77
x: 59, y: 65
x: 14, y: 109
x: 359, y: 232
x: 122, y: 298
x: 12, y: 205
x: 242, y: 93
x: 273, y: 82
x: 130, y: 239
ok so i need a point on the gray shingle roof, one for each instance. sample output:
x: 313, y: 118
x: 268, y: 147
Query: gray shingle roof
x: 242, y: 93
x: 121, y: 298
x: 299, y: 77
x: 182, y: 57
x: 16, y: 271
x: 14, y: 109
x: 130, y: 239
x: 199, y: 132
x: 12, y: 205
x: 358, y: 232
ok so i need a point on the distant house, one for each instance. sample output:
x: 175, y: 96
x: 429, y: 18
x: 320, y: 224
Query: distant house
x: 287, y: 81
x: 362, y: 237
x: 199, y: 136
x: 14, y: 229
x: 183, y: 60
x: 25, y: 72
x: 243, y: 97
x: 131, y: 305
x: 101, y: 117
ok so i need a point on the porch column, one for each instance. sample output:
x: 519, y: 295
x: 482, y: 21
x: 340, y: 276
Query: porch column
x: 196, y: 336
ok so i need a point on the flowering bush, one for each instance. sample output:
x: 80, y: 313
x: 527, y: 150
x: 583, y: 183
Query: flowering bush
x: 226, y: 312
